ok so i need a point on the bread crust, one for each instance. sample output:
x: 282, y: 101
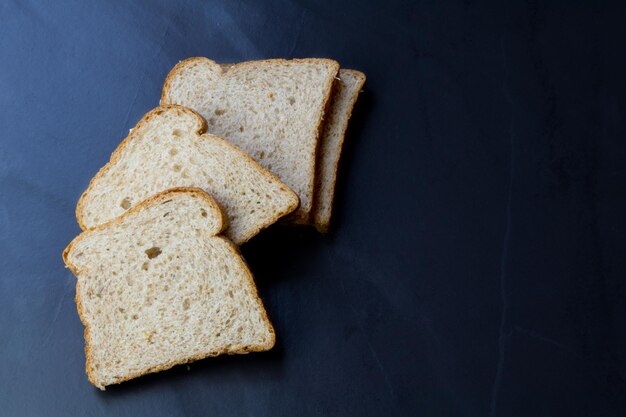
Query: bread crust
x: 302, y: 214
x: 235, y: 252
x: 320, y: 223
x: 201, y: 123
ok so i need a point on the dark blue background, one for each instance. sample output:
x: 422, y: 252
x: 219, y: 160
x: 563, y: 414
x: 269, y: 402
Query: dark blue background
x: 476, y: 266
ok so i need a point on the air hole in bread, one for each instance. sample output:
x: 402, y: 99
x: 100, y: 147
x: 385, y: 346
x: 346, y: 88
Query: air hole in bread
x: 241, y: 128
x: 173, y: 151
x: 261, y: 155
x: 219, y: 112
x: 153, y: 252
x: 125, y: 204
x: 177, y: 133
x: 134, y: 317
x: 166, y: 214
x: 144, y: 266
x: 211, y: 121
x: 292, y: 101
x: 203, y: 212
x: 186, y: 304
x: 176, y: 168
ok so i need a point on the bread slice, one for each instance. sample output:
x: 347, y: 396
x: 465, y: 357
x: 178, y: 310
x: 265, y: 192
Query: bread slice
x: 346, y: 91
x: 159, y: 287
x: 271, y: 109
x: 166, y: 150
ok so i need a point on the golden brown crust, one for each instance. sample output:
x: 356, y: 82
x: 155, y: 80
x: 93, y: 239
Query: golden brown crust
x: 322, y: 225
x: 145, y: 204
x: 302, y: 214
x: 115, y: 156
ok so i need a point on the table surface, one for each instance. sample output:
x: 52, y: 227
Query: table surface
x: 476, y: 262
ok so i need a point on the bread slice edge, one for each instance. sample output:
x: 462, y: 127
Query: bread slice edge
x: 321, y: 220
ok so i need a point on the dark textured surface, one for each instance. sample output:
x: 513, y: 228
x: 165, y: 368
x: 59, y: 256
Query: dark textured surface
x: 476, y: 266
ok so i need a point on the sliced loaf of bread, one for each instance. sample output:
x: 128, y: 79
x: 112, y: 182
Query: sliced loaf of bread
x: 345, y: 93
x: 167, y: 149
x: 158, y: 287
x: 271, y: 109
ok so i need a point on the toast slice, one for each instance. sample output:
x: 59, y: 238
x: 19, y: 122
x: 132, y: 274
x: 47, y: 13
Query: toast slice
x: 158, y: 286
x: 345, y: 93
x: 271, y: 109
x: 166, y: 150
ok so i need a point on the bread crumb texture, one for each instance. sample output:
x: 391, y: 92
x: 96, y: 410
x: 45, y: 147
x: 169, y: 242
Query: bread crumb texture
x: 158, y: 287
x: 271, y: 109
x: 166, y: 150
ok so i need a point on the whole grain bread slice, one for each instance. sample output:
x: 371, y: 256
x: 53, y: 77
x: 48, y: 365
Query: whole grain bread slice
x: 167, y: 149
x: 271, y: 109
x: 158, y: 286
x: 345, y: 93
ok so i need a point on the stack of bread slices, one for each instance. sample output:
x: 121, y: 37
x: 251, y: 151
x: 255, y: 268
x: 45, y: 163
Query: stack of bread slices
x: 231, y: 149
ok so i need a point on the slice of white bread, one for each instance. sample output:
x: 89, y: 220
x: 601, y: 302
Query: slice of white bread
x: 271, y: 109
x: 159, y: 287
x: 166, y: 150
x: 345, y: 93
